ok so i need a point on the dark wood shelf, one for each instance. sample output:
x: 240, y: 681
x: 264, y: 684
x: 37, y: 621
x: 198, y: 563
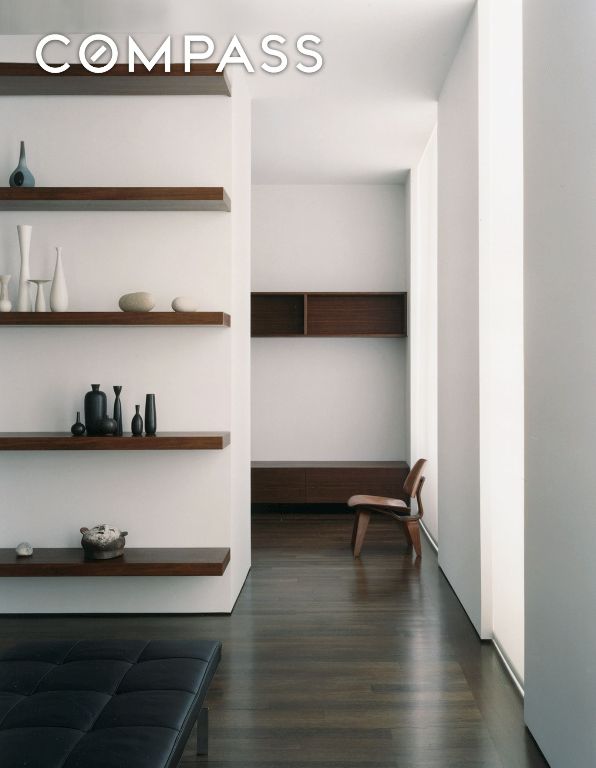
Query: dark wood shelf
x: 215, y: 319
x: 325, y: 482
x: 381, y: 315
x: 134, y: 562
x: 29, y: 79
x: 114, y: 199
x: 64, y: 441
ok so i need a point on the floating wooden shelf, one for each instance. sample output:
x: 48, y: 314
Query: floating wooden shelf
x: 64, y: 441
x: 134, y: 562
x: 216, y: 319
x: 29, y: 79
x: 114, y: 199
x: 329, y: 314
x: 325, y: 482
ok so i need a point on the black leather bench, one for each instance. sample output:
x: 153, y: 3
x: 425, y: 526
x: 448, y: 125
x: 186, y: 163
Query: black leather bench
x: 104, y: 703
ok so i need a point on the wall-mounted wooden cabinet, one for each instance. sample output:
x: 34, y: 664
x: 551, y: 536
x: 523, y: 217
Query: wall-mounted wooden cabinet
x: 329, y: 314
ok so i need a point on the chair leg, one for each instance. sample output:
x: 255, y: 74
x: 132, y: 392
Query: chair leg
x: 362, y: 524
x: 414, y: 532
x: 407, y: 537
x: 355, y: 529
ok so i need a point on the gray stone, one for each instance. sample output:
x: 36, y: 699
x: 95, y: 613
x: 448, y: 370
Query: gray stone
x: 184, y: 304
x: 141, y: 301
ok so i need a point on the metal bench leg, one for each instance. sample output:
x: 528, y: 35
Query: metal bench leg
x: 203, y: 732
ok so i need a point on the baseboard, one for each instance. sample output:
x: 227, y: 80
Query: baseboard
x: 509, y: 669
x: 501, y: 653
x: 429, y: 538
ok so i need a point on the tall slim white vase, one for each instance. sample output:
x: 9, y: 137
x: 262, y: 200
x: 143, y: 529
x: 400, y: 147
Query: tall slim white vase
x: 59, y: 292
x: 24, y: 297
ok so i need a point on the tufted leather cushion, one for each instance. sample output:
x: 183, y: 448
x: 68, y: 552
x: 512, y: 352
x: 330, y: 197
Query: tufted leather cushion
x: 103, y: 703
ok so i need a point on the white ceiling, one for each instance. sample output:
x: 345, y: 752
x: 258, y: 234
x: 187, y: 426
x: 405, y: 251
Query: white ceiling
x: 364, y: 118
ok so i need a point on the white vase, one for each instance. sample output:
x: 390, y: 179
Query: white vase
x: 40, y: 301
x: 59, y: 292
x: 5, y: 303
x: 24, y: 298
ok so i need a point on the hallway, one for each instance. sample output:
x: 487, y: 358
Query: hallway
x: 329, y: 661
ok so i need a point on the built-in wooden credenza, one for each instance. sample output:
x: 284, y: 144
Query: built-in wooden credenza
x: 325, y: 482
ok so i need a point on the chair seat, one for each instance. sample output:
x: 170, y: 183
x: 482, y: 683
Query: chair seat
x: 364, y: 506
x: 376, y: 501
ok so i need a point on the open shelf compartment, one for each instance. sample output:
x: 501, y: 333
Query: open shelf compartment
x: 277, y: 314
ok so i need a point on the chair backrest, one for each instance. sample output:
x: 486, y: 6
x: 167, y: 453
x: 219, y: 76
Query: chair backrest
x: 414, y: 482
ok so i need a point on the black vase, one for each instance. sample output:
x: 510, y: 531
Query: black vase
x: 78, y: 428
x: 107, y: 426
x: 137, y: 422
x: 118, y: 411
x: 150, y: 416
x: 96, y: 407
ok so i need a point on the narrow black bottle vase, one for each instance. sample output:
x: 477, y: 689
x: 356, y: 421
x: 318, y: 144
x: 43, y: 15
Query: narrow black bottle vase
x: 150, y: 415
x: 96, y: 408
x: 118, y: 411
x: 136, y: 426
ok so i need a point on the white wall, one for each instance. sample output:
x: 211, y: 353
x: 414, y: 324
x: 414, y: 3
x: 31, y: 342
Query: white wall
x: 174, y: 499
x: 560, y: 346
x: 480, y: 296
x: 423, y: 327
x: 329, y: 399
x: 501, y: 326
x: 240, y: 348
x: 458, y: 334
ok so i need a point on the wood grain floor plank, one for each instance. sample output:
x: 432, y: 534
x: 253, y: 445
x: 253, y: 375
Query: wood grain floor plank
x: 330, y: 662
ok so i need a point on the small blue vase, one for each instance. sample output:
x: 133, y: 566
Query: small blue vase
x: 22, y: 176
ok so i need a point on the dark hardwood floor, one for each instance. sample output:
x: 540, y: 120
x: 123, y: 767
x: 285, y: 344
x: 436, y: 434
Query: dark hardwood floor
x: 332, y: 662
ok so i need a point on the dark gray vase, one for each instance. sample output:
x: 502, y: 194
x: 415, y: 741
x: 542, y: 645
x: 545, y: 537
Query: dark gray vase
x: 137, y: 423
x: 150, y: 416
x: 118, y: 411
x: 78, y: 428
x: 22, y: 176
x: 107, y: 426
x: 96, y: 408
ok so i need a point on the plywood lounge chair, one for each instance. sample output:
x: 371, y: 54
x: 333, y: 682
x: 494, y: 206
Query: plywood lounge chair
x: 364, y: 506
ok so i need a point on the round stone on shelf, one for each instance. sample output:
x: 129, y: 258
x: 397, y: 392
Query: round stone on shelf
x: 140, y: 301
x: 184, y: 304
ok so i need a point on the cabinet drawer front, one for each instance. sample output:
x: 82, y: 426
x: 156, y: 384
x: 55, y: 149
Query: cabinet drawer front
x: 356, y: 315
x: 278, y: 486
x: 335, y: 486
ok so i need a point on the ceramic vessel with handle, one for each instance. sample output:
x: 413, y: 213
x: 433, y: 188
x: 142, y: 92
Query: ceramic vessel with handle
x: 103, y: 542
